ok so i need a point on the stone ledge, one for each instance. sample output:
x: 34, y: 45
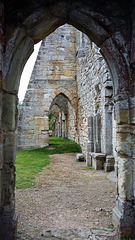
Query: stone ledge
x: 80, y: 157
x: 109, y: 164
x: 98, y: 160
x: 78, y: 233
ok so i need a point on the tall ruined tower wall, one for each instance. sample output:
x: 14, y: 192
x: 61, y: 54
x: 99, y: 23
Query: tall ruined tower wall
x: 54, y: 73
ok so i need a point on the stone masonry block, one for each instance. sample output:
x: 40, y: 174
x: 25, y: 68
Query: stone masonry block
x: 14, y: 64
x: 9, y: 112
x: 1, y: 156
x: 107, y: 92
x: 122, y: 112
x: 80, y: 157
x: 9, y: 148
x: 42, y: 123
x: 109, y: 164
x: 125, y: 177
x: 8, y: 223
x: 124, y: 140
x: 98, y: 160
x: 132, y: 114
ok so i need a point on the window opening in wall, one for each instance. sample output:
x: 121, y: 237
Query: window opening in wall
x: 51, y: 123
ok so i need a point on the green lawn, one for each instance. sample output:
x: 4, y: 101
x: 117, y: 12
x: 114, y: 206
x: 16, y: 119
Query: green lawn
x: 127, y: 238
x: 31, y: 162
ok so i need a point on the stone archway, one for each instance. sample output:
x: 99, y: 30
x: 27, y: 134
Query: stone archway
x: 65, y: 124
x: 53, y: 75
x: 111, y: 30
x: 55, y: 111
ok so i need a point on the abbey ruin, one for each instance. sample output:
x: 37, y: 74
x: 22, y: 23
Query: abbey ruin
x: 91, y: 95
x: 71, y: 80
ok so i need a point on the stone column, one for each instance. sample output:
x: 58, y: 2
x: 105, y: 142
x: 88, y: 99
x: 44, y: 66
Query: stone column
x: 53, y: 128
x: 90, y: 134
x: 98, y: 133
x: 63, y: 128
x: 107, y: 145
x: 90, y: 144
x: 108, y: 108
x: 108, y: 129
x: 124, y: 211
x: 1, y: 132
x: 60, y: 121
x: 120, y: 66
x: 58, y: 129
x: 63, y: 125
x: 1, y: 167
x: 59, y: 125
x: 94, y: 132
x: 8, y: 116
x: 8, y: 216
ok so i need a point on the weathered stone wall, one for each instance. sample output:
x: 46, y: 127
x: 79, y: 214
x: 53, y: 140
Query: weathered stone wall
x: 91, y: 115
x: 1, y: 68
x: 111, y: 25
x: 95, y: 94
x: 54, y: 73
x: 72, y: 122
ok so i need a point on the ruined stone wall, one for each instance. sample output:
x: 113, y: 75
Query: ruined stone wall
x: 68, y: 63
x: 95, y: 94
x: 112, y: 27
x: 72, y: 123
x: 54, y: 73
x: 1, y: 68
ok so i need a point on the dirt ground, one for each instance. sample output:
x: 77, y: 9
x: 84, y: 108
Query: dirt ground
x: 66, y: 195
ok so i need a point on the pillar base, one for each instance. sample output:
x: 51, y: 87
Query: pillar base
x: 109, y: 164
x: 124, y: 218
x: 98, y: 160
x: 8, y: 224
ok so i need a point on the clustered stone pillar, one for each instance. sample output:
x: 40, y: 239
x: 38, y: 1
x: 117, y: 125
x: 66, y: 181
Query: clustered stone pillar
x: 124, y: 212
x: 90, y: 144
x: 107, y: 127
x: 8, y: 111
x: 59, y: 126
x: 54, y: 128
x: 63, y: 125
x: 8, y: 219
x: 108, y: 108
x: 94, y: 137
x: 97, y: 131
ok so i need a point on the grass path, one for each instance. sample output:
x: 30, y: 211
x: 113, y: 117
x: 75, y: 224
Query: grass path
x: 30, y: 162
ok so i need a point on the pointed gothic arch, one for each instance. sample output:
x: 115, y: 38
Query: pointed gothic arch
x: 65, y: 125
x: 112, y: 35
x: 62, y: 93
